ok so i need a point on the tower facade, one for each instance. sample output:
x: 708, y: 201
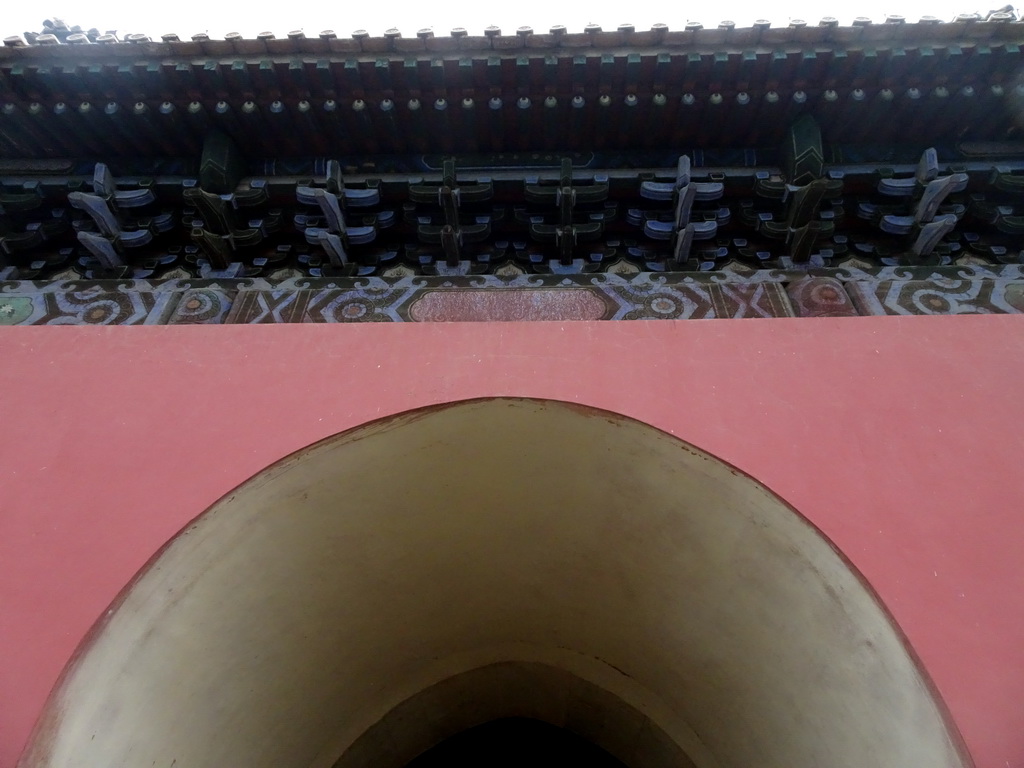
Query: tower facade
x: 864, y: 561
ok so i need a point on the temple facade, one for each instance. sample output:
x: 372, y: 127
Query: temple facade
x: 711, y: 544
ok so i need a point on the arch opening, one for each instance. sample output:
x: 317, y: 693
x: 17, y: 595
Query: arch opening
x: 370, y: 596
x: 530, y: 691
x: 512, y: 743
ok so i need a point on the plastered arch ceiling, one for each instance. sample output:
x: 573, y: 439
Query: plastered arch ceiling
x: 365, y: 598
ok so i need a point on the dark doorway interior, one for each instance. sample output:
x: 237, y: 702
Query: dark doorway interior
x: 515, y: 742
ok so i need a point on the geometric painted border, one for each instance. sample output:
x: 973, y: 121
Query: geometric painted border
x: 644, y: 296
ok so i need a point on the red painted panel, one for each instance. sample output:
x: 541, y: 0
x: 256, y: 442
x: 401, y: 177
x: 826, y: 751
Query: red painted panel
x: 899, y: 437
x: 462, y: 304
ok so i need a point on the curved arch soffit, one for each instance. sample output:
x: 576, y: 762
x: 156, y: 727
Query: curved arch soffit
x: 379, y: 591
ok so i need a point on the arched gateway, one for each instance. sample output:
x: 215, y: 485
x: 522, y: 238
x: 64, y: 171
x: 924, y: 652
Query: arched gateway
x: 370, y: 596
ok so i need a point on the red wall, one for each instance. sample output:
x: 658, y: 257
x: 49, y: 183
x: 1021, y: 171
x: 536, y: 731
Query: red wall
x: 899, y: 437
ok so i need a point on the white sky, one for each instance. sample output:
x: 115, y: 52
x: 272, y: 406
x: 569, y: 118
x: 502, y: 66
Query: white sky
x: 186, y: 17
